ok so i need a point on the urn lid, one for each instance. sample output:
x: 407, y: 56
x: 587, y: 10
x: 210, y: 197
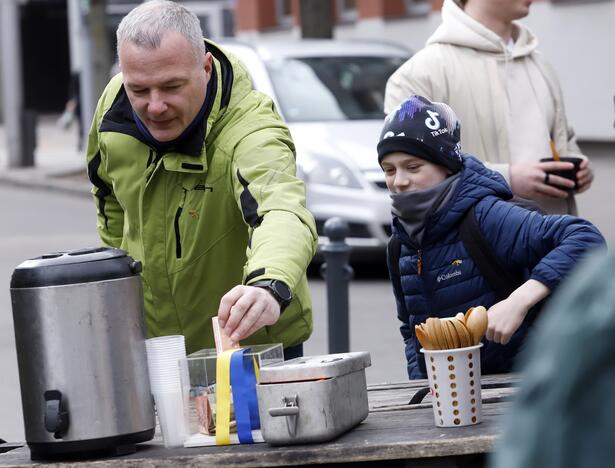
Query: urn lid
x: 77, y: 266
x: 315, y: 367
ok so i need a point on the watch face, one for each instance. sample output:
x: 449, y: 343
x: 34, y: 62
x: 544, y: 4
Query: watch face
x: 282, y: 290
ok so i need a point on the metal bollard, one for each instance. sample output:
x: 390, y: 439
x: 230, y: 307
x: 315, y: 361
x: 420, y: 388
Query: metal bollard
x: 28, y: 137
x: 337, y: 273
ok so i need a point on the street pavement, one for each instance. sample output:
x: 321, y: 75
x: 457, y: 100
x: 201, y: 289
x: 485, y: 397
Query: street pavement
x: 47, y: 208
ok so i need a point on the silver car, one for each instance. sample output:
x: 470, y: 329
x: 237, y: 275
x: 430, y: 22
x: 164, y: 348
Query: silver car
x: 331, y: 95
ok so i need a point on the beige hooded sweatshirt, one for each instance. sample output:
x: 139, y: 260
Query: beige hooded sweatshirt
x: 508, y: 99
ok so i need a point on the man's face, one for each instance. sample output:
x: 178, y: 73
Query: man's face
x: 166, y: 86
x: 503, y: 10
x: 406, y: 173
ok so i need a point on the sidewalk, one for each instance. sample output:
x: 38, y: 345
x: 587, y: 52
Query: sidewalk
x: 58, y: 165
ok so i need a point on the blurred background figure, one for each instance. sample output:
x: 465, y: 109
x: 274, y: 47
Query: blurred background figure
x: 511, y: 102
x: 72, y: 109
x: 564, y: 413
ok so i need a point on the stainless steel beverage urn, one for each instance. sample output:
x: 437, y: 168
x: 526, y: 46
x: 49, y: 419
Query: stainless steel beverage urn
x: 80, y: 338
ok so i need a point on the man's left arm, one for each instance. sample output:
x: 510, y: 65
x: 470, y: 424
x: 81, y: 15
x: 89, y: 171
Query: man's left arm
x: 283, y: 236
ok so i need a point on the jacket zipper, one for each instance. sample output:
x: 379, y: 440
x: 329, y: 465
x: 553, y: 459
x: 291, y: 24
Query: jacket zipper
x: 419, y: 262
x: 178, y: 240
x: 153, y: 162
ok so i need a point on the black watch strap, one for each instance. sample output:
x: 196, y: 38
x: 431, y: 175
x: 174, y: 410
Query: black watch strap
x: 278, y: 289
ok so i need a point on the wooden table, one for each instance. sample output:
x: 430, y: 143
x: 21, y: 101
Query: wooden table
x: 395, y: 434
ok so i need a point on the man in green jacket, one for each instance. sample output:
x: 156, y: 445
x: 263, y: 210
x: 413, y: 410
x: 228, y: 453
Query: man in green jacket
x: 193, y: 174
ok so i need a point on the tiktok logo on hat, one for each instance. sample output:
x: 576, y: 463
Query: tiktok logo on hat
x: 429, y: 130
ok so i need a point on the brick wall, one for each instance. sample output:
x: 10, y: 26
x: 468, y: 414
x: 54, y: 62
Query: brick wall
x: 261, y: 15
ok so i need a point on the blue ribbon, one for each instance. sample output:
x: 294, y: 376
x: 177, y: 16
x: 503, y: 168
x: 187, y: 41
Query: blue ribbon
x: 243, y: 384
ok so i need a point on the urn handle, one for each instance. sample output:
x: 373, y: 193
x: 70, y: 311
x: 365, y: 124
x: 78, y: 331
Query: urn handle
x: 56, y: 414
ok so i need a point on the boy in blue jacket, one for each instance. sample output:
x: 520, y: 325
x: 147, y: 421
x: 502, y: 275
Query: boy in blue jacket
x: 433, y: 184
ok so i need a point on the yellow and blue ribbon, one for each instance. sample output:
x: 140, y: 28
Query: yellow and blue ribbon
x: 237, y: 371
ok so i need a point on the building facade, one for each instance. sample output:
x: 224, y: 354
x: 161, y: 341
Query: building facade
x: 576, y: 36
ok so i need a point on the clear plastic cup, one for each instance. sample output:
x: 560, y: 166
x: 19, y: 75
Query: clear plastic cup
x: 171, y: 411
x: 454, y: 381
x: 164, y: 354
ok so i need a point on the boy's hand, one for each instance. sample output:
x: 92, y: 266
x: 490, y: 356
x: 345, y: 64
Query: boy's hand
x: 506, y: 316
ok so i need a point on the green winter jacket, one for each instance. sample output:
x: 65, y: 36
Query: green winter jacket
x: 222, y: 208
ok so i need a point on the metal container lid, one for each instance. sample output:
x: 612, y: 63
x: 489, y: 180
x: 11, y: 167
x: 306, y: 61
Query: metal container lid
x: 315, y: 367
x: 77, y: 266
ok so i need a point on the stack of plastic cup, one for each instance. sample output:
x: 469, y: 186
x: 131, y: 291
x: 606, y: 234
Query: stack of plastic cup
x: 164, y: 355
x: 454, y: 381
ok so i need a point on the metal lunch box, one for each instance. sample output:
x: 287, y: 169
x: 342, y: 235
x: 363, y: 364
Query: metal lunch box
x: 312, y: 398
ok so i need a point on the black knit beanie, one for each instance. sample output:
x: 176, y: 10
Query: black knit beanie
x: 428, y: 130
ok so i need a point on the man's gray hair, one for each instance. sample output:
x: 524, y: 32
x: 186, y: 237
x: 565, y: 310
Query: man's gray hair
x: 146, y: 25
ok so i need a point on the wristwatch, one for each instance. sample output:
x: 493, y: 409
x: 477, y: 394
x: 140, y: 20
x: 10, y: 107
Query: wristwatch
x: 278, y: 289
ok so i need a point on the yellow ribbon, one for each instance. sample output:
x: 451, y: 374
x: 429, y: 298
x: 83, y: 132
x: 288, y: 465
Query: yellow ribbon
x: 257, y: 372
x: 223, y: 397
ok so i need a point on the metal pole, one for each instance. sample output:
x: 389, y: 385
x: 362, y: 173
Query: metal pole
x: 86, y: 77
x: 12, y: 90
x: 316, y: 19
x: 337, y: 273
x: 74, y: 36
x: 95, y: 58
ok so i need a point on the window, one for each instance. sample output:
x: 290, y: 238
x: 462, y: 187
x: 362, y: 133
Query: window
x: 347, y: 11
x: 331, y: 88
x: 284, y: 12
x: 418, y: 7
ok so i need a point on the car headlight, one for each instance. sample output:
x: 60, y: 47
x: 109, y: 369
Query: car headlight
x: 321, y: 169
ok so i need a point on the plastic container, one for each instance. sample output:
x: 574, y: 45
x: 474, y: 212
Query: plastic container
x: 201, y: 372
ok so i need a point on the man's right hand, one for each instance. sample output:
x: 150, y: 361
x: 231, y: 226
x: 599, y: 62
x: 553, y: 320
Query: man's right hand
x: 246, y: 309
x: 528, y: 180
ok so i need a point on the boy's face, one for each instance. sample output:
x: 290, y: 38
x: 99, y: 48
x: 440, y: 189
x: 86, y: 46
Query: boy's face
x: 406, y: 173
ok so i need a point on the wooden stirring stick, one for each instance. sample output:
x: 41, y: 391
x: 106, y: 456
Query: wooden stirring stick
x: 423, y: 337
x: 554, y: 151
x: 222, y: 340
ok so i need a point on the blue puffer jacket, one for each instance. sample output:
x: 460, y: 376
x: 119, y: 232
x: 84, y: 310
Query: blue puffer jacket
x: 545, y: 246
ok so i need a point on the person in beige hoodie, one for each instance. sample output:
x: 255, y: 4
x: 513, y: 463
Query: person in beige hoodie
x: 486, y: 66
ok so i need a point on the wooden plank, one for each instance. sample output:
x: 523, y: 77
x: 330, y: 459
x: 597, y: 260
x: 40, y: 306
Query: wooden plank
x: 492, y: 379
x: 392, y: 397
x: 395, y: 400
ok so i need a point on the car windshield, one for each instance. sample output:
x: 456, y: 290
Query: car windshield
x: 331, y: 88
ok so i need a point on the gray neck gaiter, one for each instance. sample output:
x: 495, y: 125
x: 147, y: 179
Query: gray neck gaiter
x: 413, y: 208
